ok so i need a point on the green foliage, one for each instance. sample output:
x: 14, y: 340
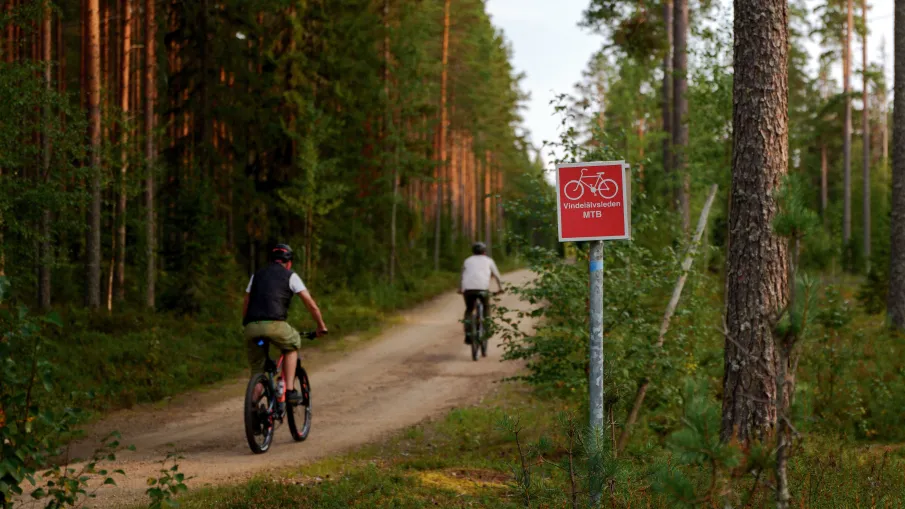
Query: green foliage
x: 33, y: 430
x: 67, y: 486
x: 696, y: 447
x: 795, y: 219
x: 27, y: 190
x: 579, y: 457
x: 169, y: 483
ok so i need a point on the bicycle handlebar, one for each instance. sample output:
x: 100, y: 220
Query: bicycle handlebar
x: 311, y: 335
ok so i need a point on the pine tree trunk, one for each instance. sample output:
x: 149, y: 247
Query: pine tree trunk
x: 46, y: 259
x: 865, y: 192
x: 454, y: 168
x: 824, y: 180
x: 459, y: 147
x: 150, y: 154
x: 206, y: 117
x: 757, y: 284
x: 885, y: 136
x: 83, y: 54
x: 112, y: 257
x: 389, y: 131
x: 478, y: 192
x: 486, y: 201
x: 124, y: 139
x: 667, y: 90
x: 680, y: 111
x: 896, y: 302
x: 438, y: 220
x: 93, y: 265
x: 847, y: 131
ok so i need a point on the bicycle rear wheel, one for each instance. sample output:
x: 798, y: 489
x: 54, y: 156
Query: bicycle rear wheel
x: 300, y: 413
x: 484, y: 339
x: 259, y: 404
x: 476, y: 330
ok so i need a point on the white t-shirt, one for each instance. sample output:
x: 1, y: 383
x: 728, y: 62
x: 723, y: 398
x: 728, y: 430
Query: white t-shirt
x: 295, y: 284
x: 476, y: 272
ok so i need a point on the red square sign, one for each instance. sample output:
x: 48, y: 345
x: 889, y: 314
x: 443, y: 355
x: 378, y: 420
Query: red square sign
x: 592, y: 201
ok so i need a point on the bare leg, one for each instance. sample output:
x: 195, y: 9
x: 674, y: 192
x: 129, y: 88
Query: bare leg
x: 290, y: 360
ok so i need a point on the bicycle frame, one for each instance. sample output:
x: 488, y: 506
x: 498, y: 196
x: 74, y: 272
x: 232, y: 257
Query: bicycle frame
x: 598, y: 177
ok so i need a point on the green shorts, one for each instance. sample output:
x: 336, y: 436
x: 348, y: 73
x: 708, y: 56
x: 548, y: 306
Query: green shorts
x: 281, y: 335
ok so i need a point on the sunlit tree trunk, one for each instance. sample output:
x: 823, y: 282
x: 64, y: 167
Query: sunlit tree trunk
x: 486, y: 202
x: 444, y: 119
x: 125, y: 62
x: 150, y: 90
x: 93, y: 265
x: 757, y: 281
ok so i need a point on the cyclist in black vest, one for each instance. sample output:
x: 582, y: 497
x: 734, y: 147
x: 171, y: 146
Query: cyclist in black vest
x: 266, y: 308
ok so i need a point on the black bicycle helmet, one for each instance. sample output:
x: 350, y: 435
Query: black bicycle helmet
x: 281, y: 253
x: 479, y: 248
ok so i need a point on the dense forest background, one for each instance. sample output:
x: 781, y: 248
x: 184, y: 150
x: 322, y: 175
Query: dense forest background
x: 153, y: 150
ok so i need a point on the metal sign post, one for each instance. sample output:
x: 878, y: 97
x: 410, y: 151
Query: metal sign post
x: 594, y: 204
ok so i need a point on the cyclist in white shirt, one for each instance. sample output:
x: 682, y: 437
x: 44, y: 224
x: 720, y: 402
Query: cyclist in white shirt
x: 477, y: 271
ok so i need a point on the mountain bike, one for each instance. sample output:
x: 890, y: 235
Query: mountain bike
x: 477, y: 329
x: 599, y: 186
x: 263, y: 410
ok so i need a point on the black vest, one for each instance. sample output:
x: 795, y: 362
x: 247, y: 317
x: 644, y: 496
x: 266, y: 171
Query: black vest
x: 270, y: 295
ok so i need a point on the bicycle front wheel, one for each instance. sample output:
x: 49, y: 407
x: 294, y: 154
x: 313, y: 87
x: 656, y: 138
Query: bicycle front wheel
x: 259, y: 404
x: 300, y: 413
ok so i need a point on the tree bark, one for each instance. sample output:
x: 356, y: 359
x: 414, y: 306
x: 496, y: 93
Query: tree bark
x: 824, y: 180
x: 486, y: 200
x: 847, y: 130
x: 93, y: 268
x: 757, y: 283
x: 444, y: 119
x: 667, y: 90
x: 150, y: 154
x: 865, y: 176
x: 680, y: 110
x: 896, y: 302
x: 45, y: 262
x: 124, y: 139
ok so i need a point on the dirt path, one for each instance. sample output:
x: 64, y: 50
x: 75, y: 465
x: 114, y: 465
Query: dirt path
x: 417, y: 369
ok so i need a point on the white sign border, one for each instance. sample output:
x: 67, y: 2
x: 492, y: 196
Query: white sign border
x: 626, y: 206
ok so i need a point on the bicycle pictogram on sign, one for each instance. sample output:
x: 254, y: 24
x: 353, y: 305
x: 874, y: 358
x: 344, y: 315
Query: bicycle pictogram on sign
x: 605, y: 188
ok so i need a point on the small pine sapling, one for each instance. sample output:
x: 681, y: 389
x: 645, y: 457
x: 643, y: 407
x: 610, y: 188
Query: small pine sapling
x: 793, y: 222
